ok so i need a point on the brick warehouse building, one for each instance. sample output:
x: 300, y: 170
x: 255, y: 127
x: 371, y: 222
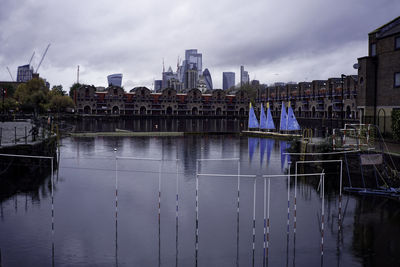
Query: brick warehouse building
x: 321, y: 99
x: 379, y: 76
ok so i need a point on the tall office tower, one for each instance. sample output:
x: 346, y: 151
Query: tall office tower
x: 175, y: 84
x: 191, y: 79
x: 244, y: 76
x: 207, y: 79
x: 115, y: 79
x: 157, y: 85
x: 166, y: 76
x: 194, y: 60
x: 24, y: 73
x: 228, y: 80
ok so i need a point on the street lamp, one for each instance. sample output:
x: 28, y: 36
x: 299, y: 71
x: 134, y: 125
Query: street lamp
x: 342, y: 113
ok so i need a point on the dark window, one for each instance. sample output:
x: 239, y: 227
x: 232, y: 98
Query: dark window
x: 397, y: 79
x: 373, y: 50
x: 397, y: 43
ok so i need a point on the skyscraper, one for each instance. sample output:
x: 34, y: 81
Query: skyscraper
x: 228, y: 80
x: 115, y: 79
x: 157, y: 85
x: 24, y: 73
x: 191, y: 79
x: 166, y: 76
x: 207, y: 79
x: 244, y: 76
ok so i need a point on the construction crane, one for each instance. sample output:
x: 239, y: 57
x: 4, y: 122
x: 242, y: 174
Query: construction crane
x: 12, y: 78
x: 31, y: 58
x: 40, y: 63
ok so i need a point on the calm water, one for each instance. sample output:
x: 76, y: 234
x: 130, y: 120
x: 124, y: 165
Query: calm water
x: 86, y: 232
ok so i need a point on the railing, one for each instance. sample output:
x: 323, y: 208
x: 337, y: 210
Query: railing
x: 12, y: 135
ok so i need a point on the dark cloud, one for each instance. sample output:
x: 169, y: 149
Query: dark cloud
x: 134, y: 36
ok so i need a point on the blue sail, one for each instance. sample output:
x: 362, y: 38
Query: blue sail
x: 283, y: 126
x: 292, y: 124
x: 270, y: 122
x: 253, y: 122
x: 263, y: 119
x: 263, y: 145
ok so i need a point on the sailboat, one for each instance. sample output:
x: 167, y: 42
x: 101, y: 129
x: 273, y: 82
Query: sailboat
x: 283, y: 121
x: 288, y: 123
x: 291, y: 124
x: 253, y: 122
x: 266, y: 122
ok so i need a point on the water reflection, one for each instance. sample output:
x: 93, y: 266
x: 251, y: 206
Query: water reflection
x: 160, y: 125
x: 137, y: 222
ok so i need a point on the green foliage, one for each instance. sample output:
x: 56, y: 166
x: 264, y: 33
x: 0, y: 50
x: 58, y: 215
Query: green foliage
x: 73, y: 89
x: 57, y: 90
x: 251, y: 91
x: 396, y: 124
x: 9, y: 104
x: 59, y: 103
x: 32, y: 96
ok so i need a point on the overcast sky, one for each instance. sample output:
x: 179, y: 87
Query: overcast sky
x: 285, y: 40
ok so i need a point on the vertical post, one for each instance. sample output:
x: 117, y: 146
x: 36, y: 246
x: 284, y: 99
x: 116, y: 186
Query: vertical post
x: 26, y: 136
x: 295, y: 214
x: 116, y: 207
x: 237, y: 216
x: 52, y: 211
x: 265, y: 222
x: 15, y: 135
x: 322, y: 215
x: 197, y: 213
x: 177, y: 213
x: 1, y: 134
x: 254, y: 218
x: 340, y: 198
x: 159, y: 213
x: 288, y: 206
x: 268, y: 224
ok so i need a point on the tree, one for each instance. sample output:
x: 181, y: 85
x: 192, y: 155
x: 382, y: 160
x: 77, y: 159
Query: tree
x: 250, y: 90
x: 59, y: 103
x: 32, y: 96
x: 73, y: 88
x: 57, y: 90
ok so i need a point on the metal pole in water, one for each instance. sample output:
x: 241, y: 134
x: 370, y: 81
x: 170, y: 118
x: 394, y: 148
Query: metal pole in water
x: 288, y: 213
x: 254, y: 218
x: 340, y: 200
x: 159, y: 214
x: 52, y: 211
x: 265, y: 221
x: 237, y: 218
x: 116, y: 208
x: 26, y: 136
x: 295, y: 203
x: 177, y: 213
x: 197, y: 212
x: 322, y: 214
x: 15, y: 135
x: 268, y: 224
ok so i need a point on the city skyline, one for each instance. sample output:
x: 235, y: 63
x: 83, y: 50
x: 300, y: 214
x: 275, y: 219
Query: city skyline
x: 132, y: 38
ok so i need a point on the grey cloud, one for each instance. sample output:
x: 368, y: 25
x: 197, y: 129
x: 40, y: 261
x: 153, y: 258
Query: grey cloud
x: 133, y: 36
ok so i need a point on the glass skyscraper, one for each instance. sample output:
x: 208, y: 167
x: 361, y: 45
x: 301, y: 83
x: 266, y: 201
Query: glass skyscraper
x: 228, y: 80
x: 207, y: 79
x: 115, y: 79
x: 24, y: 73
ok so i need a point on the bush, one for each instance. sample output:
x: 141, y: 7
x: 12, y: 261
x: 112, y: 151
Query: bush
x: 396, y: 124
